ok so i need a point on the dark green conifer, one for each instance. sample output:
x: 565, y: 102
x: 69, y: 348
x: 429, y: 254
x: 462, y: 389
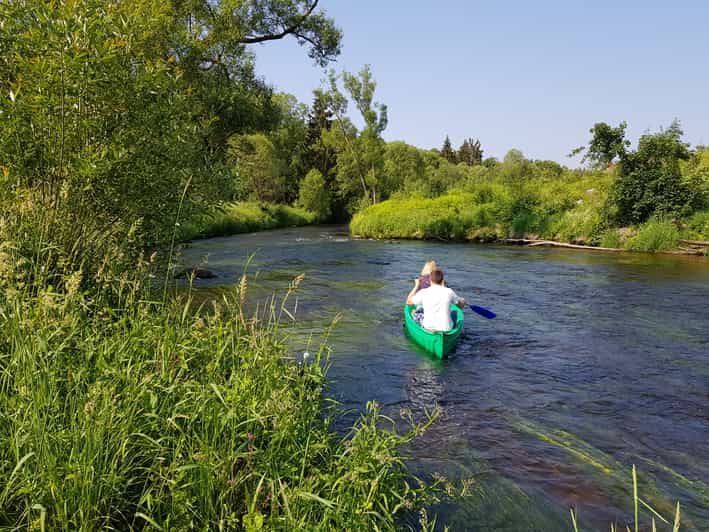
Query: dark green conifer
x: 447, y: 151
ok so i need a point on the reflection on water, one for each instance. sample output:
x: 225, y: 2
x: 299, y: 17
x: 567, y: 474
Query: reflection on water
x: 595, y: 362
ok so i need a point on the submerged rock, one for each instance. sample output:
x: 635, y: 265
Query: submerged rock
x: 197, y: 273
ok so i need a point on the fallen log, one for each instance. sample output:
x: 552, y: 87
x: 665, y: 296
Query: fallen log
x: 685, y: 251
x: 552, y: 243
x: 700, y: 243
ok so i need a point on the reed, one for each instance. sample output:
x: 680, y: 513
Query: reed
x: 143, y: 415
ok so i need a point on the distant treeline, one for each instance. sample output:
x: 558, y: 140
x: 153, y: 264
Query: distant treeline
x: 643, y: 199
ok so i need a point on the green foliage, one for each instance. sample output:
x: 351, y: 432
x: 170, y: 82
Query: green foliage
x: 655, y: 235
x: 697, y: 227
x: 119, y: 114
x: 403, y: 166
x: 244, y: 217
x: 695, y: 177
x: 181, y: 417
x: 486, y: 204
x: 96, y: 139
x: 450, y: 217
x: 470, y: 152
x: 289, y: 141
x: 611, y: 239
x: 607, y: 143
x: 258, y: 169
x: 360, y: 157
x: 447, y: 151
x: 314, y: 195
x: 649, y: 181
x: 319, y: 155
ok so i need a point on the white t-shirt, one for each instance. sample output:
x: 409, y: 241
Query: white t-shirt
x: 436, y: 301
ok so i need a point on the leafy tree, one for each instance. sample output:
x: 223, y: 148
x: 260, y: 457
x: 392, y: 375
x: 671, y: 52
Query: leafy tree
x: 649, y: 181
x: 360, y: 157
x: 547, y: 169
x: 209, y: 40
x: 314, y: 195
x: 97, y: 133
x: 403, y: 166
x: 447, y: 151
x: 607, y: 143
x: 319, y: 155
x: 695, y: 176
x: 446, y: 176
x: 257, y: 167
x: 290, y: 142
x: 490, y: 162
x: 470, y: 152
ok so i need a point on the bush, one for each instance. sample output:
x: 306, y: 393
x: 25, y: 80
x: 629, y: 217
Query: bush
x: 697, y: 226
x: 655, y: 235
x: 245, y: 217
x: 314, y: 195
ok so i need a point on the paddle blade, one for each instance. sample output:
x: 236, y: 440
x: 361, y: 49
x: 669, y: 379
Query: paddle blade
x: 483, y: 312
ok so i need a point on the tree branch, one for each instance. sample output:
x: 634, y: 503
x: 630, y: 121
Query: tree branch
x: 287, y: 31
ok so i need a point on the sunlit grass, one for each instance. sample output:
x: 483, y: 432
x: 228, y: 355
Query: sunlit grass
x: 245, y: 217
x: 165, y: 417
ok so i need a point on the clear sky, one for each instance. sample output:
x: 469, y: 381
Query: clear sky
x: 532, y: 75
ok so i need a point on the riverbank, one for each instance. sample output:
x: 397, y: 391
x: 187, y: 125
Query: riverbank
x: 244, y: 217
x: 142, y: 413
x: 466, y: 217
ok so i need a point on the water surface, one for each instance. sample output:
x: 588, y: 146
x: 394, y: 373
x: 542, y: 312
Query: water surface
x: 595, y: 362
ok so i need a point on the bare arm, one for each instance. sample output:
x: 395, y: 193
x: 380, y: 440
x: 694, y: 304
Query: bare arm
x: 413, y: 291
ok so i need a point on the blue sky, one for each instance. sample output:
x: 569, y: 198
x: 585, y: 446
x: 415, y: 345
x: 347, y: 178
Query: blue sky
x: 532, y: 75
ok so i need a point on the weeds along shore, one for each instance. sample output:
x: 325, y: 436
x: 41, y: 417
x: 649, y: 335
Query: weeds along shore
x: 493, y: 214
x: 141, y: 414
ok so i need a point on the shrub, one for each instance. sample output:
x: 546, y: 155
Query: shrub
x: 697, y: 226
x: 655, y: 235
x: 314, y: 195
x: 245, y: 217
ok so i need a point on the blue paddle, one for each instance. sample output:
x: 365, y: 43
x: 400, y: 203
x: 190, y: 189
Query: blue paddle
x: 483, y: 312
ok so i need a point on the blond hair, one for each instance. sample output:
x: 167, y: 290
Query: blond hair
x: 429, y: 267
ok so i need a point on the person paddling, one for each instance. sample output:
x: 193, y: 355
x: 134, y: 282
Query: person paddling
x: 436, y: 301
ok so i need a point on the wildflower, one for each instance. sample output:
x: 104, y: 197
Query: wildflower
x: 250, y: 436
x: 231, y: 481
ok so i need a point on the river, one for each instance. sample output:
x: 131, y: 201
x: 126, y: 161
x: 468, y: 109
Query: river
x: 596, y: 361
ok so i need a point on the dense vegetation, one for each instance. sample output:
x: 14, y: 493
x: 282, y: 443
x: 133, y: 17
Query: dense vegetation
x: 644, y: 200
x: 126, y: 126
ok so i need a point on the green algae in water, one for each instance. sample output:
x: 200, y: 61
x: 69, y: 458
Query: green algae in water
x: 357, y: 285
x: 615, y: 475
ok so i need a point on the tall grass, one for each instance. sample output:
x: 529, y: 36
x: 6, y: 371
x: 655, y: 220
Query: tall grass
x: 637, y: 503
x: 655, y: 235
x: 554, y: 210
x: 144, y: 416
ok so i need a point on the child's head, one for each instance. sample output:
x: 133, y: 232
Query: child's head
x: 428, y: 267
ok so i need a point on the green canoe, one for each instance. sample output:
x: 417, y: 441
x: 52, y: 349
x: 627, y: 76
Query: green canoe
x: 436, y: 343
